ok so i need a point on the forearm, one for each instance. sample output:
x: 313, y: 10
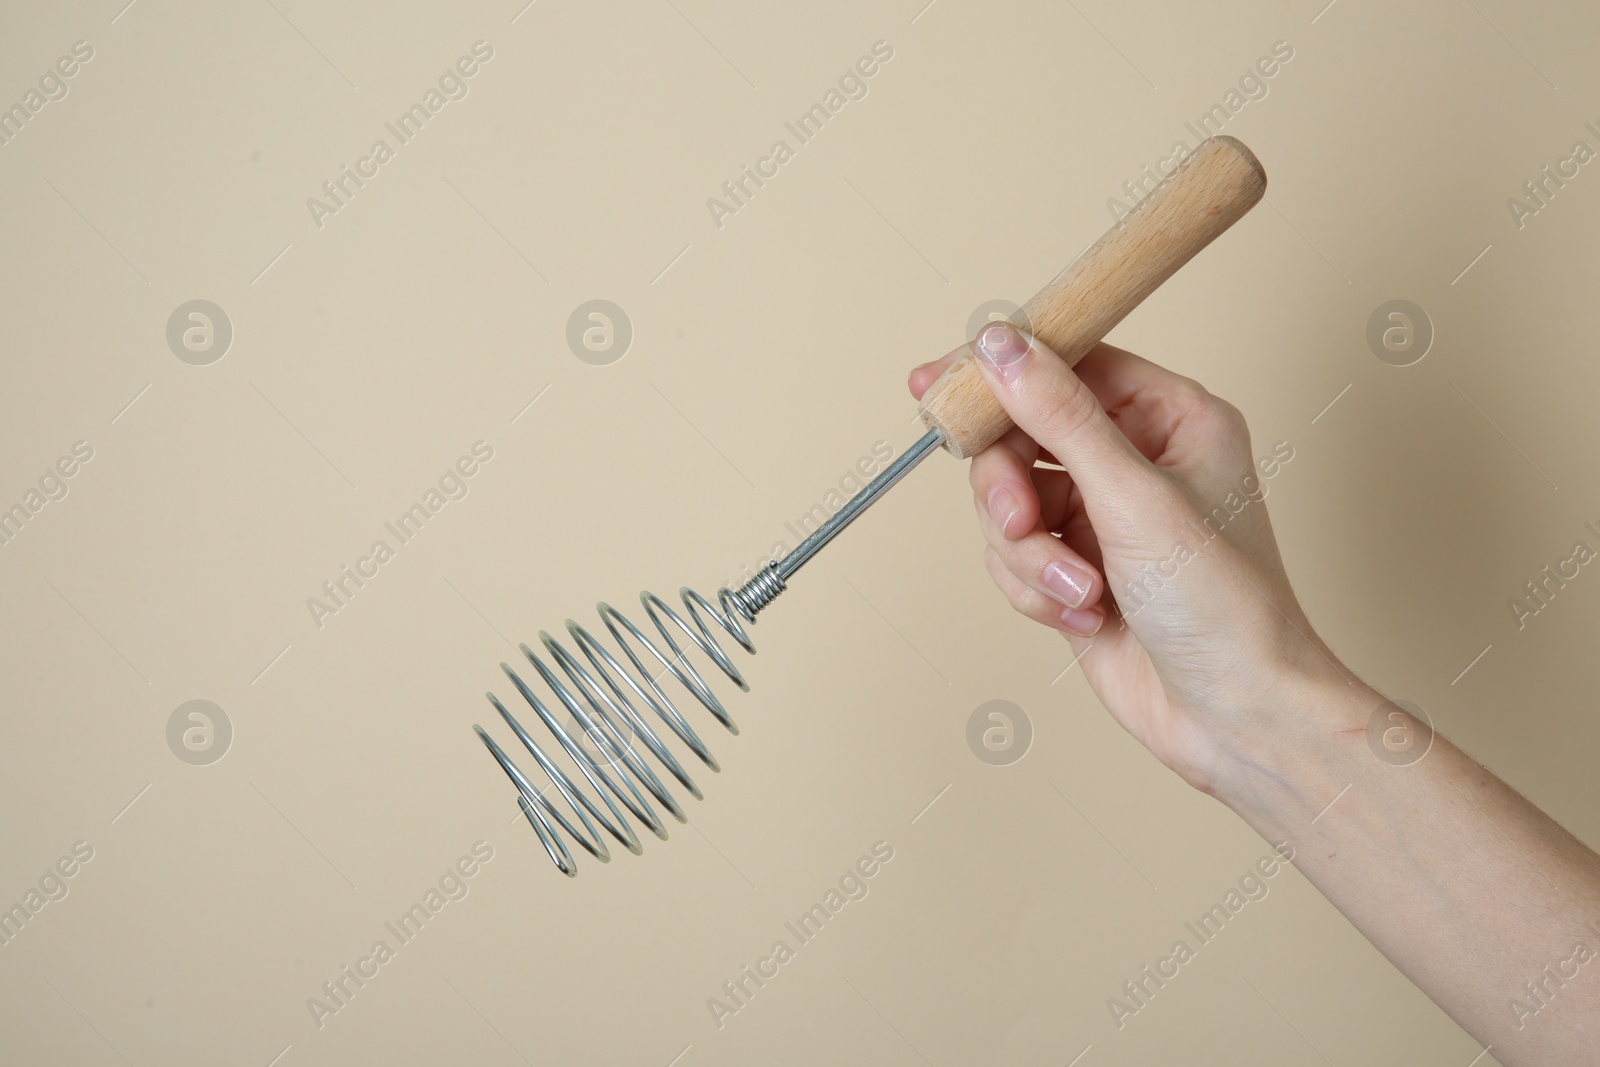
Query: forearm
x: 1484, y: 902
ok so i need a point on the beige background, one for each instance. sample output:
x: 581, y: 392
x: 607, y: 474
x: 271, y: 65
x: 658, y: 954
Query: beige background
x: 370, y: 353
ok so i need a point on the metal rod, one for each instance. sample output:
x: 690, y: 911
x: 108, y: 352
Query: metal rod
x: 859, y: 503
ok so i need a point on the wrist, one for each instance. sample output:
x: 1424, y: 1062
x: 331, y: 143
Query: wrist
x: 1291, y: 754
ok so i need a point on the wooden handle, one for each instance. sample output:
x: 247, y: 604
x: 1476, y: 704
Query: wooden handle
x: 1206, y: 194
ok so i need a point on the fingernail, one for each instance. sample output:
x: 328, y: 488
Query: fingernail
x: 1003, y: 507
x: 1082, y: 622
x: 1070, y: 585
x: 1002, y: 347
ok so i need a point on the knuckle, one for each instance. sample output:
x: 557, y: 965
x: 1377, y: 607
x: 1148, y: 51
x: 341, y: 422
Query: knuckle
x: 1021, y: 598
x: 1218, y: 418
x: 1189, y: 391
x: 1066, y: 408
x: 981, y: 471
x: 996, y: 568
x: 1030, y: 605
x: 1231, y: 417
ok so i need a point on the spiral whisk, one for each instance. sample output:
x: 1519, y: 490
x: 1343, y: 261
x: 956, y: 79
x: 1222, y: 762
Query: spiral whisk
x: 610, y: 705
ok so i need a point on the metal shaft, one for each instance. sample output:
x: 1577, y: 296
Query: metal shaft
x: 764, y: 587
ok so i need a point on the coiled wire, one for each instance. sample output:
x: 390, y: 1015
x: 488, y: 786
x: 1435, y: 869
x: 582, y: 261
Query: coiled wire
x: 601, y: 698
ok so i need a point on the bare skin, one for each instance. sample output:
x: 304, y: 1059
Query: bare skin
x: 1192, y: 638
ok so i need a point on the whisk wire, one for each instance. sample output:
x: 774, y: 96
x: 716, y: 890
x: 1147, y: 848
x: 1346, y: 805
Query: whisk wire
x: 615, y: 758
x: 685, y: 732
x: 525, y: 789
x: 604, y: 787
x: 604, y: 699
x: 611, y: 738
x: 579, y: 801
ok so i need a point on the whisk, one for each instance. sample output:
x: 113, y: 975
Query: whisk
x: 611, y: 706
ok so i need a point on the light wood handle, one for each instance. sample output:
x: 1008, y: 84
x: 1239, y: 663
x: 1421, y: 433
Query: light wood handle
x: 1205, y: 195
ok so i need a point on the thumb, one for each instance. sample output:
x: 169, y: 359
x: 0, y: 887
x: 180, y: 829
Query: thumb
x: 1053, y: 406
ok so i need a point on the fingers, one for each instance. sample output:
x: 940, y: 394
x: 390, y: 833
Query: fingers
x: 926, y: 374
x: 1042, y: 577
x: 1002, y: 479
x: 1056, y: 408
x: 1038, y: 560
x: 1165, y: 415
x: 1041, y: 607
x: 1058, y: 498
x: 1142, y: 448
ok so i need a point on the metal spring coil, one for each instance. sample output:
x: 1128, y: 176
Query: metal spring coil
x: 612, y: 722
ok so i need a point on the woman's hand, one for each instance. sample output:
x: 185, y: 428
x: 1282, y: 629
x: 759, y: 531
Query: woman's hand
x: 1151, y: 550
